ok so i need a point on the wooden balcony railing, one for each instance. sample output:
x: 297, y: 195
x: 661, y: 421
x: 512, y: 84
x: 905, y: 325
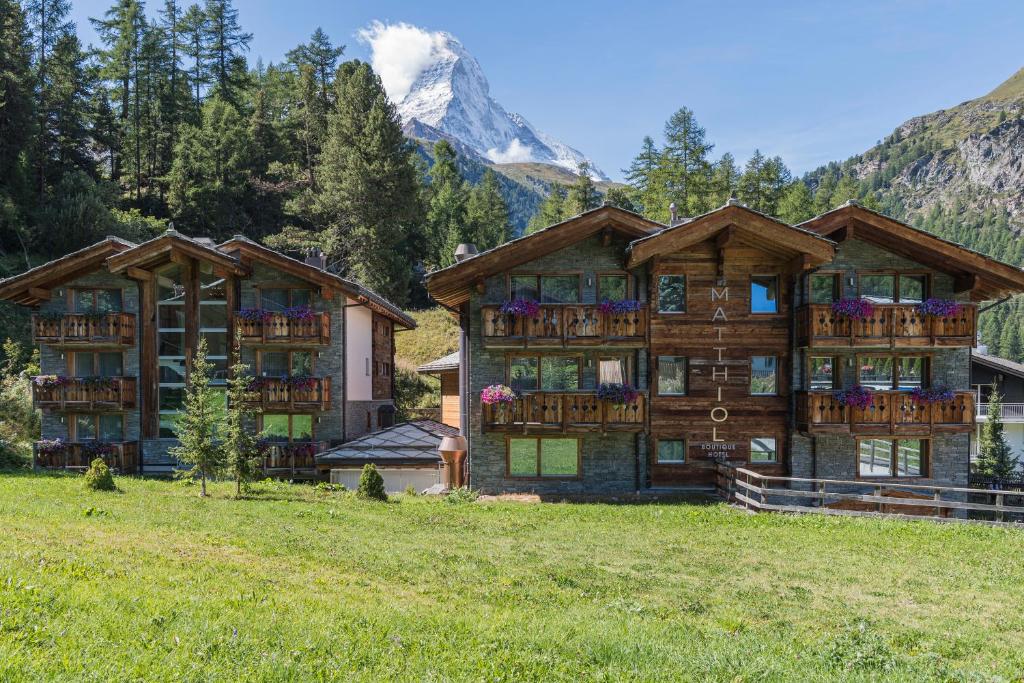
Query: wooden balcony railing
x: 891, y: 325
x: 86, y: 393
x: 286, y: 394
x: 85, y: 328
x: 121, y: 457
x: 294, y: 458
x: 564, y: 412
x: 562, y: 325
x: 277, y: 328
x: 890, y: 413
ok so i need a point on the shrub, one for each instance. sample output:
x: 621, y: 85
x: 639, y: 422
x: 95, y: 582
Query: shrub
x: 98, y: 477
x: 371, y: 484
x: 11, y: 458
x: 461, y: 495
x: 410, y: 490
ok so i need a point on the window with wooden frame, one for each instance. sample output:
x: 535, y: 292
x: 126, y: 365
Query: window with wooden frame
x: 889, y: 287
x: 764, y: 294
x: 281, y: 298
x: 764, y: 376
x: 670, y: 451
x: 892, y: 457
x: 107, y: 427
x: 97, y: 300
x: 823, y: 288
x: 95, y: 363
x: 543, y: 457
x: 671, y: 293
x: 822, y: 373
x: 285, y: 363
x: 282, y: 428
x: 887, y: 372
x: 547, y: 289
x: 544, y: 372
x: 614, y: 370
x: 764, y: 449
x: 671, y: 373
x: 613, y: 286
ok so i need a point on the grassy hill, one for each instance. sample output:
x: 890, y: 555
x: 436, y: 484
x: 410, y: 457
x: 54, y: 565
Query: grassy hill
x: 541, y: 176
x: 299, y: 584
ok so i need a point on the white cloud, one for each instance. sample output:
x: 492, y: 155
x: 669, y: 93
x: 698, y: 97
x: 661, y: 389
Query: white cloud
x: 400, y: 52
x: 515, y: 153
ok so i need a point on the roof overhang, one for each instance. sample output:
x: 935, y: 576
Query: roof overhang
x: 34, y: 286
x: 981, y: 276
x: 736, y: 225
x: 450, y: 286
x: 174, y: 248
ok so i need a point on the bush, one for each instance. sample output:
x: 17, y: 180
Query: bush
x: 410, y: 490
x: 371, y: 484
x: 98, y: 477
x: 461, y: 495
x: 11, y: 458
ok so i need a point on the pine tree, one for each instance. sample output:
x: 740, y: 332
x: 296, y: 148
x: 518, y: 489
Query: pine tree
x: 370, y: 187
x: 846, y: 189
x: 1010, y: 346
x: 238, y: 432
x: 486, y: 213
x: 644, y: 177
x: 446, y: 224
x: 322, y: 58
x: 583, y: 195
x: 797, y: 204
x: 995, y: 457
x: 193, y: 29
x: 724, y: 180
x: 313, y: 116
x: 623, y: 198
x: 685, y: 166
x: 16, y: 116
x: 225, y: 41
x: 197, y: 426
x: 823, y: 194
x: 552, y: 210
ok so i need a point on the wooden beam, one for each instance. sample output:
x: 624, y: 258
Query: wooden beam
x: 725, y: 237
x: 39, y: 293
x: 965, y: 283
x: 147, y: 359
x: 138, y: 274
x: 190, y: 278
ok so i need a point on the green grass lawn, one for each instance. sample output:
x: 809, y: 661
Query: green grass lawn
x: 296, y: 584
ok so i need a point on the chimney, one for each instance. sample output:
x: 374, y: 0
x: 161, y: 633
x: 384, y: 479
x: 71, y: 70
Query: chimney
x: 316, y: 259
x: 465, y: 251
x: 673, y: 213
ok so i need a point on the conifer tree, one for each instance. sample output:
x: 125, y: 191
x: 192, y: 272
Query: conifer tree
x: 995, y: 458
x: 238, y: 432
x: 192, y: 28
x: 552, y: 210
x: 685, y: 166
x: 487, y: 213
x: 225, y: 41
x: 643, y: 176
x: 197, y: 424
x: 446, y: 215
x: 623, y: 198
x: 583, y: 195
x: 16, y: 112
x: 1010, y: 346
x: 321, y: 56
x: 797, y: 204
x: 724, y: 180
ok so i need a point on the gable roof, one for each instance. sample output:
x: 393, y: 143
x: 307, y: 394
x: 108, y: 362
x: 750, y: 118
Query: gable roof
x: 450, y: 285
x: 319, y: 276
x: 442, y: 364
x: 731, y: 224
x: 32, y: 287
x: 406, y: 442
x: 983, y: 276
x: 997, y: 363
x: 162, y: 247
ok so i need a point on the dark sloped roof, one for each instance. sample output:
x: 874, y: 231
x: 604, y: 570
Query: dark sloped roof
x: 995, y: 362
x: 407, y: 442
x: 449, y: 362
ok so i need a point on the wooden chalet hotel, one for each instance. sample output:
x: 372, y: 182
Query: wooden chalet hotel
x: 117, y: 324
x: 611, y: 354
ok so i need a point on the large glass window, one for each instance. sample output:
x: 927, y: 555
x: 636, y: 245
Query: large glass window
x: 213, y: 325
x: 612, y: 287
x: 523, y: 374
x: 763, y: 376
x: 525, y: 287
x: 762, y: 449
x: 822, y: 372
x: 108, y: 427
x: 671, y: 451
x: 910, y: 373
x: 877, y: 372
x: 287, y: 427
x: 892, y: 457
x: 824, y: 288
x: 559, y: 373
x: 880, y: 289
x: 548, y: 289
x: 170, y: 347
x: 764, y: 294
x: 893, y: 372
x: 671, y: 375
x: 286, y: 363
x: 913, y: 288
x: 543, y: 457
x: 97, y: 300
x: 92, y: 364
x: 672, y: 293
x: 280, y: 298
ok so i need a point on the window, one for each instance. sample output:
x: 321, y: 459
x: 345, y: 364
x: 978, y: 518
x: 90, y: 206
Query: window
x: 170, y: 347
x: 612, y: 287
x: 278, y: 299
x: 282, y: 428
x: 763, y: 376
x: 887, y: 288
x: 542, y: 457
x: 672, y: 293
x: 764, y: 294
x: 892, y: 457
x: 96, y: 364
x: 762, y: 449
x: 611, y: 371
x: 913, y: 288
x: 671, y: 375
x: 544, y: 373
x: 821, y: 372
x: 97, y: 300
x: 547, y: 289
x: 670, y: 451
x: 102, y: 427
x: 824, y: 288
x: 884, y: 373
x: 881, y: 289
x: 286, y: 363
x: 213, y: 325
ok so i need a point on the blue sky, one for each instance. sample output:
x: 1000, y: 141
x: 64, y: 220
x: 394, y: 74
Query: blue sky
x: 810, y: 81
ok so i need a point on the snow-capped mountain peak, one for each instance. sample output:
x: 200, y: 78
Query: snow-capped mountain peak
x: 436, y: 81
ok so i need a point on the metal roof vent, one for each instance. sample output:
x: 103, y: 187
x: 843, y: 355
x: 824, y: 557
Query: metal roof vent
x: 465, y: 251
x: 673, y: 213
x: 316, y: 259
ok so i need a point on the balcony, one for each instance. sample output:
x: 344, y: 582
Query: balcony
x: 122, y: 457
x: 83, y: 393
x: 564, y: 412
x: 293, y: 459
x: 563, y: 325
x: 891, y: 326
x: 291, y: 394
x: 1011, y: 412
x: 84, y: 328
x: 891, y: 413
x: 278, y: 328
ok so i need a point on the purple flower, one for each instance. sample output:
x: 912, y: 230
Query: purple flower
x: 51, y: 381
x: 523, y: 308
x: 856, y: 396
x: 621, y: 306
x: 855, y: 309
x: 940, y: 308
x: 50, y: 447
x: 497, y: 393
x: 255, y: 315
x: 617, y: 394
x: 303, y: 313
x: 932, y: 395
